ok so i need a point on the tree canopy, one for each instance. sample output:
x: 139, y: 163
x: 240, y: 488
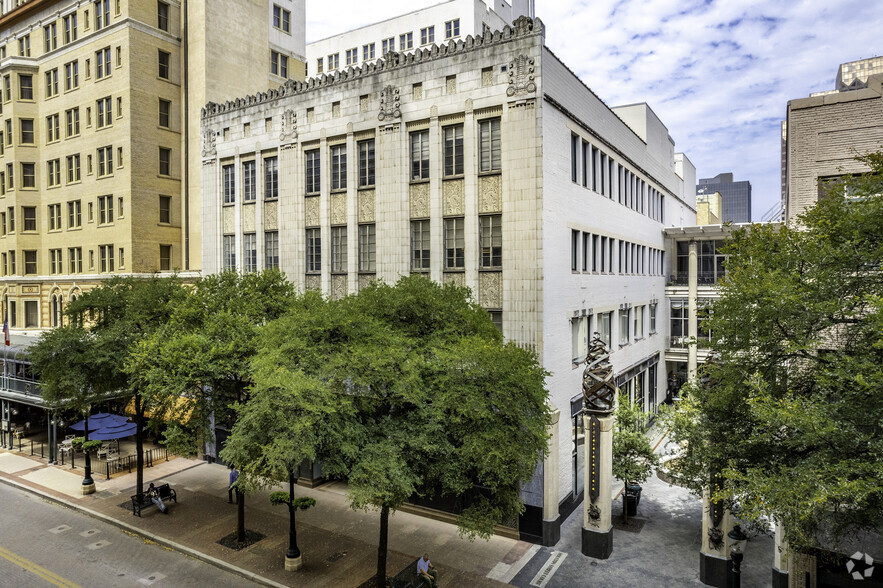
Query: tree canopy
x: 790, y: 410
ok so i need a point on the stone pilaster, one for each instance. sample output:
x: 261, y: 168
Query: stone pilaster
x: 714, y: 557
x: 551, y: 525
x: 597, y: 535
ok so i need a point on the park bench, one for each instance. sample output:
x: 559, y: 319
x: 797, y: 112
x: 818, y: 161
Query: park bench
x: 408, y: 577
x: 166, y: 492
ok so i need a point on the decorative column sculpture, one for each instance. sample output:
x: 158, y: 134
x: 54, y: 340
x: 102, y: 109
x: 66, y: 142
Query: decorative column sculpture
x: 599, y: 394
x: 714, y: 555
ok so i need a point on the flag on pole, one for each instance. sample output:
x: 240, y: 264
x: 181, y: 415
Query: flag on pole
x: 6, y: 330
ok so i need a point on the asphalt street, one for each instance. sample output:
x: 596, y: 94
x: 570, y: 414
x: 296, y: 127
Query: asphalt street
x: 45, y: 544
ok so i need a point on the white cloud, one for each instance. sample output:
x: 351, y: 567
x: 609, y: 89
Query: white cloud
x: 719, y: 73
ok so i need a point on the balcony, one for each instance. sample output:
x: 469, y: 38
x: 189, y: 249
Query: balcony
x: 703, y: 278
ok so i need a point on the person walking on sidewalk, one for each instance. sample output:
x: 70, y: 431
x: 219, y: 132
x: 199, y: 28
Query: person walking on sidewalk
x: 427, y: 572
x: 153, y: 493
x: 234, y: 475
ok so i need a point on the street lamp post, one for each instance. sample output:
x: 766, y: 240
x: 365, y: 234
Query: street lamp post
x: 737, y: 553
x: 88, y: 483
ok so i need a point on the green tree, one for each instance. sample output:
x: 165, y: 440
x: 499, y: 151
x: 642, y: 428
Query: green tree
x: 633, y: 455
x: 440, y: 405
x: 790, y: 411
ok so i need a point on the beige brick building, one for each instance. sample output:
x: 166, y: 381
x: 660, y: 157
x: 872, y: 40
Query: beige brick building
x: 100, y: 115
x: 821, y: 137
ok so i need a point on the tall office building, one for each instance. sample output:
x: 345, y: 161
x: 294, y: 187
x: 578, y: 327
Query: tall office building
x: 736, y: 196
x: 100, y: 135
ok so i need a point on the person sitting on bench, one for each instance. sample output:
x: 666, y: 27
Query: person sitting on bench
x: 153, y: 493
x: 427, y: 572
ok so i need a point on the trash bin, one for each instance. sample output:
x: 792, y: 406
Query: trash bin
x: 632, y: 499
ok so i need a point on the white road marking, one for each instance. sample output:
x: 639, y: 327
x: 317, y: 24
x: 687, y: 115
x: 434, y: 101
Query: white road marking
x: 503, y: 572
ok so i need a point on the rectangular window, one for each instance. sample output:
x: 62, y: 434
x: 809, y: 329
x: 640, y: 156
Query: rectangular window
x: 604, y: 320
x: 453, y: 142
x: 368, y: 51
x: 579, y: 338
x: 105, y: 210
x: 366, y: 163
x: 352, y: 56
x: 69, y: 27
x: 574, y: 250
x: 165, y: 209
x: 165, y: 161
x: 455, y: 243
x: 271, y: 249
x: 52, y: 128
x: 420, y: 155
x: 489, y: 145
x: 271, y: 178
x: 165, y: 113
x: 388, y: 45
x: 102, y: 14
x: 53, y: 172
x: 54, y: 217
x: 406, y: 41
x: 320, y: 67
x: 574, y: 158
x: 427, y: 35
x: 27, y: 131
x: 314, y: 251
x: 653, y: 318
x: 72, y: 122
x: 639, y: 322
x: 624, y: 326
x: 338, y: 167
x: 278, y: 64
x: 333, y: 61
x: 24, y: 46
x: 29, y: 216
x: 282, y: 19
x: 367, y: 248
x: 30, y: 270
x: 490, y: 236
x: 587, y: 250
x: 249, y: 187
x: 164, y: 59
x: 73, y: 168
x: 50, y: 39
x: 55, y: 261
x: 75, y: 255
x: 105, y: 161
x: 452, y: 28
x: 229, y: 184
x: 104, y: 110
x: 28, y: 177
x: 165, y: 257
x: 312, y: 171
x: 74, y: 214
x: 52, y: 82
x: 102, y: 63
x: 12, y: 264
x: 25, y: 87
x: 338, y: 250
x: 162, y: 16
x: 420, y: 245
x: 229, y: 252
x: 250, y: 252
x: 105, y: 258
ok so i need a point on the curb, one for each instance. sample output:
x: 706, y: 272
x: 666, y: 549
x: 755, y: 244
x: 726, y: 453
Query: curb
x: 141, y: 533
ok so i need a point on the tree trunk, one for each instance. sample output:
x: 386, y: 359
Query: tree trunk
x: 381, y: 547
x: 240, y: 517
x: 293, y: 550
x: 139, y: 447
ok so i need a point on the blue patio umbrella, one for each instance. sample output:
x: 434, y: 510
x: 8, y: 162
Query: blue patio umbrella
x: 114, y: 432
x: 99, y: 420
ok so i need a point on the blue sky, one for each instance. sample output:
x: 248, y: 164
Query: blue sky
x: 719, y: 73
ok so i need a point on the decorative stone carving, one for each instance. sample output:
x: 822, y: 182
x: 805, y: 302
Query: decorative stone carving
x: 229, y: 225
x: 365, y: 280
x: 338, y: 286
x: 313, y: 282
x: 338, y: 208
x: 366, y: 206
x: 419, y: 197
x: 521, y: 76
x: 311, y: 211
x: 453, y: 197
x: 451, y: 85
x: 599, y: 391
x: 468, y: 106
x: 271, y: 216
x: 289, y: 126
x: 208, y: 143
x: 456, y: 278
x: 490, y: 289
x: 490, y: 194
x: 389, y: 104
x: 248, y: 218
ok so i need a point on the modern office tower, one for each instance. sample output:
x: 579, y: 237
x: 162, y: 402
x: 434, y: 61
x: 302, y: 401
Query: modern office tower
x: 736, y: 196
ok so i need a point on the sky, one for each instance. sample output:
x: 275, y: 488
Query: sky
x: 719, y: 73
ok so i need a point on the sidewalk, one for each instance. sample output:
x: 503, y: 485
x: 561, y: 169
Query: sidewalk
x: 339, y: 545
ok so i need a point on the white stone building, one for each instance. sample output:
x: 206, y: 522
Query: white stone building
x: 485, y: 162
x: 447, y: 21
